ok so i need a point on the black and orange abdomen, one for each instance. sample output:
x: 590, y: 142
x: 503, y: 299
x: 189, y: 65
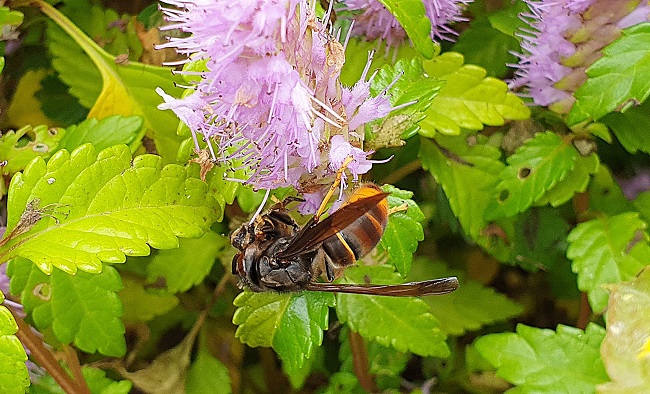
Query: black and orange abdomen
x: 361, y: 236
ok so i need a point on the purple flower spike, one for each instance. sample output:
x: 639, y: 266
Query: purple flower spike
x: 270, y: 100
x: 556, y: 53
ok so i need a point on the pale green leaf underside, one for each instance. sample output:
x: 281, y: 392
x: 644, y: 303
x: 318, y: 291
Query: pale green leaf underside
x: 620, y: 77
x: 625, y: 350
x: 402, y: 322
x: 544, y: 361
x: 536, y: 167
x: 468, y: 308
x: 13, y: 372
x: 469, y: 100
x: 607, y: 250
x: 105, y: 208
x: 631, y: 128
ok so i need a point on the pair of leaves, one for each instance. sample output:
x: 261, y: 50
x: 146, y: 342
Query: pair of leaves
x: 541, y: 360
x: 102, y: 208
x: 293, y: 323
x: 607, y: 250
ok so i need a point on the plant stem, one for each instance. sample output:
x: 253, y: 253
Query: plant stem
x: 360, y: 362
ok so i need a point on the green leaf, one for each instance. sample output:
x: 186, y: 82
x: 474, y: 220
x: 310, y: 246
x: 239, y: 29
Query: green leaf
x: 607, y: 250
x: 207, y: 374
x: 20, y: 147
x: 620, y: 78
x: 99, y: 383
x: 605, y: 195
x: 631, y: 128
x: 412, y: 17
x: 141, y: 305
x: 290, y: 322
x: 487, y: 47
x: 508, y: 21
x: 13, y: 372
x: 98, y: 207
x: 177, y: 270
x: 403, y: 231
x: 454, y: 165
x: 575, y: 181
x: 404, y: 323
x: 468, y: 308
x: 626, y: 346
x: 469, y: 99
x: 536, y: 167
x: 410, y: 85
x: 82, y: 308
x: 544, y: 361
x: 10, y: 17
x: 126, y: 89
x: 112, y: 130
x: 87, y: 310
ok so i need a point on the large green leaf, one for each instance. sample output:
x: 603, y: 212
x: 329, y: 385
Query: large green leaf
x: 82, y: 308
x: 402, y: 322
x: 468, y: 308
x: 13, y: 372
x: 607, y: 250
x: 292, y: 323
x: 619, y: 79
x: 455, y: 165
x: 626, y: 347
x: 469, y: 100
x: 536, y: 167
x: 98, y: 207
x: 403, y: 231
x: 411, y: 15
x: 544, y: 361
x: 125, y: 89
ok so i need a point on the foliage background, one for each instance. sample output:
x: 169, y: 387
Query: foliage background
x: 118, y: 251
